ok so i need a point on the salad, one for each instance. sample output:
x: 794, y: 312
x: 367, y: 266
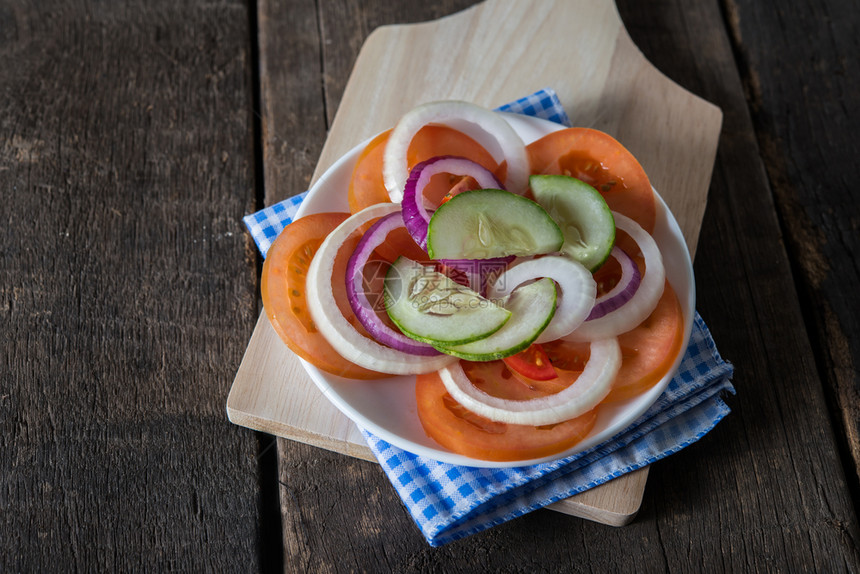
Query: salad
x: 523, y: 294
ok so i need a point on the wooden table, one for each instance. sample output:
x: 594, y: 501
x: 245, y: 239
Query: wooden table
x: 134, y: 138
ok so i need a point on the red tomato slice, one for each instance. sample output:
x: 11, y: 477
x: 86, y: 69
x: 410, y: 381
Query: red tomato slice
x: 649, y: 350
x: 601, y: 161
x: 461, y: 431
x: 283, y: 292
x: 566, y: 355
x: 398, y: 243
x: 532, y: 363
x: 464, y: 184
x: 609, y: 274
x: 366, y: 187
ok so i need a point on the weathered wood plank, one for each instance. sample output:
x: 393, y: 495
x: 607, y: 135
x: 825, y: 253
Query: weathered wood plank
x: 803, y: 97
x: 780, y: 432
x: 127, y: 286
x: 292, y: 110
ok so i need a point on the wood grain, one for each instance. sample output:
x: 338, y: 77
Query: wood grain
x: 126, y: 287
x: 771, y: 494
x: 802, y: 101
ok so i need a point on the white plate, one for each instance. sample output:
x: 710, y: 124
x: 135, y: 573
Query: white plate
x: 387, y: 407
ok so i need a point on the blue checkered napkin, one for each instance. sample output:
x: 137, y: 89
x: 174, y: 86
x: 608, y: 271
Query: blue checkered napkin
x: 542, y: 104
x: 266, y: 224
x: 449, y: 502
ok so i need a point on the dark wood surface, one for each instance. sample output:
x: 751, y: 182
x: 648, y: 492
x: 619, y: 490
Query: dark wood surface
x: 133, y: 137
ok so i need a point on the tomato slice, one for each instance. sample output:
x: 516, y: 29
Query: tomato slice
x: 532, y: 363
x: 366, y: 186
x: 601, y: 161
x: 649, y: 350
x: 567, y: 355
x: 398, y: 243
x: 283, y: 292
x: 461, y: 431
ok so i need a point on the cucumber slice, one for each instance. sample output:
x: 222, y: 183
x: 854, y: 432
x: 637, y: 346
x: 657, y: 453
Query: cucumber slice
x: 532, y: 307
x: 429, y: 307
x: 486, y: 223
x: 582, y: 214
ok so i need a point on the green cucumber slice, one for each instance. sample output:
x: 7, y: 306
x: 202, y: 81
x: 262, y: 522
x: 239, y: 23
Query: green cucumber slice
x: 582, y: 214
x: 532, y: 307
x: 429, y: 307
x: 486, y: 223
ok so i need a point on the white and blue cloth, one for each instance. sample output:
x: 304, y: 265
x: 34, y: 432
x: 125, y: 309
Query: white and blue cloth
x: 267, y: 224
x: 449, y: 502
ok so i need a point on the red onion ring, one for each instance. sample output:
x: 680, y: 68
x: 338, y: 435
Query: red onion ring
x: 358, y: 300
x: 343, y: 336
x: 623, y: 291
x: 415, y: 214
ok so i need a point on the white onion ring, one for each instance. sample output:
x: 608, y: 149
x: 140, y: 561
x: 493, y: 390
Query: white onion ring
x: 591, y: 387
x: 331, y: 323
x: 474, y: 121
x: 578, y: 290
x: 643, y: 302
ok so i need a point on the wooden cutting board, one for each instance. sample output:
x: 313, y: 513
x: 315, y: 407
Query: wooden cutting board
x: 490, y: 54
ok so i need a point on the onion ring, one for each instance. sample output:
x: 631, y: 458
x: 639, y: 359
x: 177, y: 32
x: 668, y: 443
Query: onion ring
x: 643, y: 302
x: 345, y: 339
x: 591, y: 387
x: 578, y: 290
x: 477, y: 121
